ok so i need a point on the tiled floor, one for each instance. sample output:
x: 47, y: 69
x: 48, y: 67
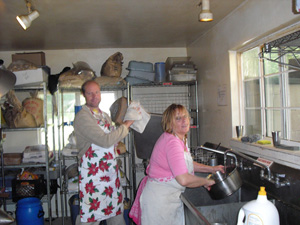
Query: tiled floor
x: 55, y: 221
x: 58, y: 221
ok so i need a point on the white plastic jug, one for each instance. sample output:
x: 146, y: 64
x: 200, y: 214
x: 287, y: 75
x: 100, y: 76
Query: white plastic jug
x: 259, y: 212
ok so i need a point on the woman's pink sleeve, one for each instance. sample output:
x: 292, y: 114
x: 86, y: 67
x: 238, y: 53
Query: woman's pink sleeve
x: 175, y: 157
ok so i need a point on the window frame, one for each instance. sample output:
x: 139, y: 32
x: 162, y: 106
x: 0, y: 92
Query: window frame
x: 283, y: 74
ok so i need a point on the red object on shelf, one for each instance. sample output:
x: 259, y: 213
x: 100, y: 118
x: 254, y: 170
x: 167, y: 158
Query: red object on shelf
x: 168, y: 83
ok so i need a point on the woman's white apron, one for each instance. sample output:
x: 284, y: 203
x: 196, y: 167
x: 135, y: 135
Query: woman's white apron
x: 168, y: 207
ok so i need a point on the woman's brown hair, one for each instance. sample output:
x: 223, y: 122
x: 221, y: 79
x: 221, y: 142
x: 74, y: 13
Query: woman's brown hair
x: 169, y: 116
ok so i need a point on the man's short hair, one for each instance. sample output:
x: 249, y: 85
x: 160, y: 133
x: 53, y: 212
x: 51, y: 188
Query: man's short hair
x: 82, y: 89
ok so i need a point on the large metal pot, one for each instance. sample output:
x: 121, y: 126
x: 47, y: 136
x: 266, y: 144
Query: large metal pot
x: 225, y: 185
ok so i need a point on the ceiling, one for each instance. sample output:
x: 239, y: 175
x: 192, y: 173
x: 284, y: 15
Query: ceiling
x: 82, y: 24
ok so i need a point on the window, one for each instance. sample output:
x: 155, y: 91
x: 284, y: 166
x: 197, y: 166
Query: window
x: 69, y: 102
x: 271, y: 92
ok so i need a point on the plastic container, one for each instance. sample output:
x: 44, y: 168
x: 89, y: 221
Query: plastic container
x: 140, y: 66
x: 259, y: 212
x: 134, y: 80
x: 29, y: 211
x: 74, y: 207
x: 77, y: 108
x: 160, y: 72
x: 142, y: 75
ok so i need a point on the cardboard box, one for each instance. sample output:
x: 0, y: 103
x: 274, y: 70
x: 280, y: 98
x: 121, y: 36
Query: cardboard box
x: 28, y: 77
x: 12, y: 158
x: 37, y: 58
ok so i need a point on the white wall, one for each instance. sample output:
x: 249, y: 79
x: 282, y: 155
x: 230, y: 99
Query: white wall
x: 253, y: 19
x: 58, y: 59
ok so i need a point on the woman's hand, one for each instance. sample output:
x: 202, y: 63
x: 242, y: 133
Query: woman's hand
x: 209, y: 183
x: 218, y: 168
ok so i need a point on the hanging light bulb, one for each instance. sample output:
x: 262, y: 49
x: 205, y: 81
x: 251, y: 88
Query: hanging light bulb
x: 205, y: 15
x: 26, y: 20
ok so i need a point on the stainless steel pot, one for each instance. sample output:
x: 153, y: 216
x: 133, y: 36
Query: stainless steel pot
x: 225, y: 185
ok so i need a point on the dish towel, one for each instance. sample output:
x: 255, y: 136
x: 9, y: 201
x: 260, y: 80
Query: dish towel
x: 137, y: 113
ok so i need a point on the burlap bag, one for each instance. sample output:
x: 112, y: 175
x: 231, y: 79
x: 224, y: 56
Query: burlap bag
x: 35, y: 106
x: 22, y: 117
x: 112, y: 66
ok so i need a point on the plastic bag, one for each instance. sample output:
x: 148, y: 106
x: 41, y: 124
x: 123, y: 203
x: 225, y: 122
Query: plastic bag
x: 137, y: 113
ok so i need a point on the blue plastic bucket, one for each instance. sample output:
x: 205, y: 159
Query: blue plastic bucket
x: 29, y: 211
x: 77, y: 108
x: 160, y: 72
x: 74, y: 206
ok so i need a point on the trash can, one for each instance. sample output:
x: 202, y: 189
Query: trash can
x: 74, y: 207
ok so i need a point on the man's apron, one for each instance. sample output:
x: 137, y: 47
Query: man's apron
x: 101, y: 194
x: 165, y: 195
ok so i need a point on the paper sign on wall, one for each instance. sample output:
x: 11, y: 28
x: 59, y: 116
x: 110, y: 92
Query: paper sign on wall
x: 222, y: 95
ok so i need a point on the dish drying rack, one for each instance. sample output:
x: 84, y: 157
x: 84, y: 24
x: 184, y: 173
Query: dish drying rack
x: 201, y: 156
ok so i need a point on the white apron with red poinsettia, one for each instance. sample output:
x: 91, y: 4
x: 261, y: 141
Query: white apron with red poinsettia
x: 99, y: 182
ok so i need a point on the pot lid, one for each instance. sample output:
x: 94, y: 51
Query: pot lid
x: 7, y: 81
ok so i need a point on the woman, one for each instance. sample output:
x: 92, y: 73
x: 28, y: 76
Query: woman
x: 171, y: 169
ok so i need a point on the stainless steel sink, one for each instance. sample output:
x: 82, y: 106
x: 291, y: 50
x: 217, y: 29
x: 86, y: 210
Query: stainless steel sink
x: 209, y: 215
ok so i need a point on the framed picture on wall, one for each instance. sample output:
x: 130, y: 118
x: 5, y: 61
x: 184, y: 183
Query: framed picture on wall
x: 296, y: 6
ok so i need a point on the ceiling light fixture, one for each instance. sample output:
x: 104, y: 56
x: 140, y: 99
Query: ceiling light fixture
x: 25, y: 20
x: 205, y: 15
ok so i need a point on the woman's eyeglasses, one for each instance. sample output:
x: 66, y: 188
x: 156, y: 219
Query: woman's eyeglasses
x: 179, y: 118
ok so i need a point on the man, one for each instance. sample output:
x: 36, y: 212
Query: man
x: 101, y: 196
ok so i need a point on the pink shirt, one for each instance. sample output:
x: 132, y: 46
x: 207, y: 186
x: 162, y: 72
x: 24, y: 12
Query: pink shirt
x: 167, y: 159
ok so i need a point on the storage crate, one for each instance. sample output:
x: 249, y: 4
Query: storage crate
x: 27, y: 188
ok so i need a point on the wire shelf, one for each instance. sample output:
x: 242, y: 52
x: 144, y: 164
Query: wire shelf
x: 201, y: 156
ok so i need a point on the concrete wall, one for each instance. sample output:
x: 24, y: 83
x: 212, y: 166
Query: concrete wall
x: 211, y: 53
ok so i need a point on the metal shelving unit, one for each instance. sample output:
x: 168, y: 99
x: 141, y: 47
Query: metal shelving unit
x: 62, y: 159
x: 41, y: 87
x: 156, y: 97
x: 156, y: 102
x: 288, y: 44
